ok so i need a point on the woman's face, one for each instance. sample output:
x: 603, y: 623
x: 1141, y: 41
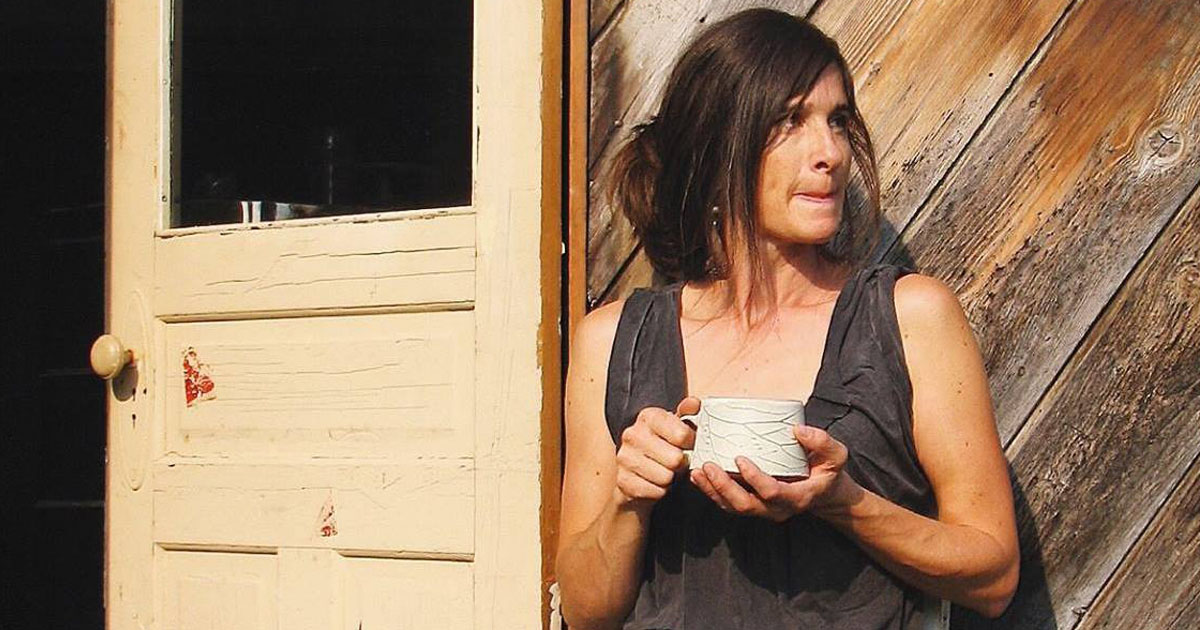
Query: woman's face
x: 802, y: 181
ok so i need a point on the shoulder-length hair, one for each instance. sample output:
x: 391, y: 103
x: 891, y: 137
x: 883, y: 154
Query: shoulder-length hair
x: 688, y: 179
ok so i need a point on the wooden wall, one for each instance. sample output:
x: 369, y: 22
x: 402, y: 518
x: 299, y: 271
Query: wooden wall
x: 1039, y: 156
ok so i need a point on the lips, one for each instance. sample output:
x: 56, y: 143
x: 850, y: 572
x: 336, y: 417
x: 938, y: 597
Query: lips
x: 819, y: 196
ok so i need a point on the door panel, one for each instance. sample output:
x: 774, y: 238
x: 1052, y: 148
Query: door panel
x: 363, y: 386
x: 423, y: 508
x: 334, y: 422
x: 426, y: 257
x: 406, y: 594
x: 206, y: 590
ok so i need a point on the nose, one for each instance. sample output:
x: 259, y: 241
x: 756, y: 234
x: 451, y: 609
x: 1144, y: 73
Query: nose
x: 829, y: 152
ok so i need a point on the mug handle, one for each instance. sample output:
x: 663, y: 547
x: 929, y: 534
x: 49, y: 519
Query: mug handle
x: 690, y: 419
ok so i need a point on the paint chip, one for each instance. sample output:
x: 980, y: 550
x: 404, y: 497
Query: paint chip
x: 328, y: 527
x: 197, y: 384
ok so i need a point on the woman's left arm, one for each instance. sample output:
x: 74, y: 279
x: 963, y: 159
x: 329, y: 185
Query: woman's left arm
x: 969, y: 554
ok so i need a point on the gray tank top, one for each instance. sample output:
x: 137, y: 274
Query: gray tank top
x: 705, y: 568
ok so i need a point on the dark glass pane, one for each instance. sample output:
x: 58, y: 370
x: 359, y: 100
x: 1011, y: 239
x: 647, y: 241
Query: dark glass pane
x: 295, y: 109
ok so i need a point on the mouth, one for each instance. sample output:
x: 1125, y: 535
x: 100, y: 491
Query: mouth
x: 817, y: 196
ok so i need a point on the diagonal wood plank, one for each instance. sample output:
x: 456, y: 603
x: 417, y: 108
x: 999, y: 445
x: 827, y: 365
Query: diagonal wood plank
x: 1065, y: 188
x: 1158, y: 585
x: 1112, y: 438
x: 631, y: 61
x: 600, y: 12
x: 925, y: 89
x: 638, y: 273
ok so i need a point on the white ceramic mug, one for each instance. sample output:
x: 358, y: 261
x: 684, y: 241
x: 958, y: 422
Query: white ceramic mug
x: 759, y: 429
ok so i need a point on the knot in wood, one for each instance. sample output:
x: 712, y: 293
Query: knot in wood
x: 1187, y: 279
x: 1163, y: 145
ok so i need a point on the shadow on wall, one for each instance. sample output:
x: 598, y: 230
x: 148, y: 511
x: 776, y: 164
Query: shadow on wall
x: 1032, y: 608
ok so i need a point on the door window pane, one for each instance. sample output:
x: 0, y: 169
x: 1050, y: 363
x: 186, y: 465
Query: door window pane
x: 301, y: 108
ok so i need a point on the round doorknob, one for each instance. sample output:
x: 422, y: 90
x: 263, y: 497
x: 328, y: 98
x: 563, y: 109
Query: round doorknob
x: 109, y: 357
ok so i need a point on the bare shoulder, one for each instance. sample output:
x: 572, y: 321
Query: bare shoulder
x: 923, y: 301
x: 591, y: 347
x: 933, y: 328
x: 594, y: 335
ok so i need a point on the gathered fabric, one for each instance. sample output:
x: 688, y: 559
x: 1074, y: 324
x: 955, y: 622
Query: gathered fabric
x: 705, y: 568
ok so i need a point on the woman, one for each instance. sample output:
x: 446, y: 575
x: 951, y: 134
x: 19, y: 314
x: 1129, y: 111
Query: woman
x: 737, y: 189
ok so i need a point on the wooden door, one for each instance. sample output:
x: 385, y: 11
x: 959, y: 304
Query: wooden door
x: 331, y: 422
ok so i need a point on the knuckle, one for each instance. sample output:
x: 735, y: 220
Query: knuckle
x: 646, y: 416
x: 623, y: 484
x: 661, y: 477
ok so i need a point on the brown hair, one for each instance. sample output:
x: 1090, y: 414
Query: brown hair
x: 694, y: 167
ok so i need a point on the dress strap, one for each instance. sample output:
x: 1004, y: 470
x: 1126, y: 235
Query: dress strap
x: 866, y: 298
x: 620, y: 362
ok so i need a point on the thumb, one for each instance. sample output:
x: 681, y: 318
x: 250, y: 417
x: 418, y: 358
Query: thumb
x: 688, y: 406
x: 812, y: 439
x: 819, y: 445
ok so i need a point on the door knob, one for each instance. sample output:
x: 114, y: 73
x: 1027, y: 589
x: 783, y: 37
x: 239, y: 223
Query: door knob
x: 109, y: 357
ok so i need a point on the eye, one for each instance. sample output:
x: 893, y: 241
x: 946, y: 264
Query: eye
x: 792, y: 120
x: 839, y: 121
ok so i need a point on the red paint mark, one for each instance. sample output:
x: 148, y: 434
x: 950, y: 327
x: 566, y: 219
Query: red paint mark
x: 197, y: 384
x: 328, y: 525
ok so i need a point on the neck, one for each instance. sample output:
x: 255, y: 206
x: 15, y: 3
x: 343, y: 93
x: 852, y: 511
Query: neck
x: 797, y: 276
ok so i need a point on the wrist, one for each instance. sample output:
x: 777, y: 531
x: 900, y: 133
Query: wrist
x: 624, y: 505
x: 842, y: 495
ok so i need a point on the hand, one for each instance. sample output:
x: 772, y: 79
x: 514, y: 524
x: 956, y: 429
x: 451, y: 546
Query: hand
x: 768, y: 497
x: 651, y: 452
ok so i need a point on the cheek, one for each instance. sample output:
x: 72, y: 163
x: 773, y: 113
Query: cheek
x: 847, y: 160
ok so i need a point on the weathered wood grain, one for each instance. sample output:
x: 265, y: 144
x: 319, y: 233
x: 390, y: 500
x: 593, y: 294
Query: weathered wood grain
x: 924, y: 87
x: 600, y: 13
x: 638, y: 273
x: 1065, y: 188
x: 1158, y: 583
x: 927, y: 74
x: 1113, y: 436
x: 630, y: 63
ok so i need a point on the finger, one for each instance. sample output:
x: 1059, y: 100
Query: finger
x: 765, y: 486
x: 700, y: 480
x: 652, y: 471
x: 820, y: 446
x: 737, y: 496
x: 632, y: 456
x: 636, y: 460
x: 665, y: 454
x: 635, y: 487
x: 670, y: 428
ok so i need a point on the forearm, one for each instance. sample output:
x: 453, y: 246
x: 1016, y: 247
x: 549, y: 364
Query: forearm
x: 957, y: 562
x: 599, y: 567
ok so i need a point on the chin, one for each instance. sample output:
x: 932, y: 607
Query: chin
x: 820, y: 233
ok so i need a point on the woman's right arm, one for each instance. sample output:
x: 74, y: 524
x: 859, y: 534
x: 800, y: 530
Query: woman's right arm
x: 608, y: 493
